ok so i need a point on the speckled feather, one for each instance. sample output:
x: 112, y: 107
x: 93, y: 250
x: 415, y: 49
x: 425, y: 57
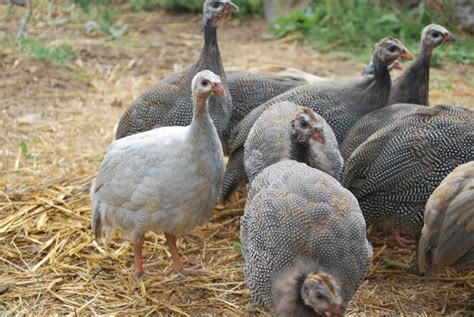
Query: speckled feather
x: 394, y: 172
x: 341, y: 103
x: 371, y: 123
x: 293, y: 210
x: 447, y: 238
x: 270, y: 141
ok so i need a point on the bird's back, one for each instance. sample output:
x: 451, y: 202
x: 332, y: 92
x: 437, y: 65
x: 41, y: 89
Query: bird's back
x: 371, y: 123
x: 396, y: 169
x: 293, y: 210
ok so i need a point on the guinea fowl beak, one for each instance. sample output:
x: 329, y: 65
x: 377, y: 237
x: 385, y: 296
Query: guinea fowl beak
x: 318, y: 136
x: 448, y: 38
x: 336, y: 310
x: 405, y: 54
x: 218, y: 89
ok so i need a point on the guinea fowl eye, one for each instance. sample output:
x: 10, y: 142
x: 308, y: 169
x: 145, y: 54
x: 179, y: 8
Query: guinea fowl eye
x: 436, y: 34
x: 392, y: 49
x: 304, y: 124
x: 320, y: 296
x: 204, y: 83
x: 215, y: 5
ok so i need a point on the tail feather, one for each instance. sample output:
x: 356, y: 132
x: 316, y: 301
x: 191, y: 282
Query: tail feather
x: 96, y: 221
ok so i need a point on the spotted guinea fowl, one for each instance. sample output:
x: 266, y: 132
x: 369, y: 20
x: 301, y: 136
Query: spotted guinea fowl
x: 341, y: 103
x: 169, y: 103
x: 412, y: 86
x: 293, y: 211
x: 249, y: 90
x: 395, y: 170
x: 306, y: 290
x: 282, y: 132
x: 138, y: 188
x: 447, y: 238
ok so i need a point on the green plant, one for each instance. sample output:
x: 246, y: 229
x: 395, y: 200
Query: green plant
x: 355, y: 25
x: 61, y: 54
x: 25, y: 151
x: 98, y: 10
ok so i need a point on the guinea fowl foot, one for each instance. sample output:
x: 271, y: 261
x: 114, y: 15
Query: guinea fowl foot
x: 401, y: 241
x: 178, y: 265
x: 137, y: 252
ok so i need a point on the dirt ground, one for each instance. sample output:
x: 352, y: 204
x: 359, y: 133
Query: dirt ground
x: 49, y: 263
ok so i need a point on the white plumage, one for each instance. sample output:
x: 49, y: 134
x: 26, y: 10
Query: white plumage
x: 166, y: 179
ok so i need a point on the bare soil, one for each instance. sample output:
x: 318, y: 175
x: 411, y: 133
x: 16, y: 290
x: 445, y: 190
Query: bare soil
x: 66, y: 116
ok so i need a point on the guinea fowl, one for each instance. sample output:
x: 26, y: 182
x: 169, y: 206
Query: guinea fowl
x: 341, y: 103
x: 283, y: 132
x: 294, y: 211
x: 412, y: 86
x: 395, y: 170
x: 447, y: 238
x: 169, y: 103
x: 138, y: 188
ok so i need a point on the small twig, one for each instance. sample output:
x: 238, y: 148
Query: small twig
x: 25, y: 19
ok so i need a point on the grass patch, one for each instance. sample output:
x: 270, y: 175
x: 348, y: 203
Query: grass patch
x: 25, y: 151
x: 61, y: 54
x: 354, y: 26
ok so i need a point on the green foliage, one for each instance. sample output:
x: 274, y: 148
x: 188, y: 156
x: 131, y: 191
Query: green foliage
x: 25, y: 151
x: 237, y: 248
x: 99, y: 10
x: 355, y: 25
x: 61, y: 54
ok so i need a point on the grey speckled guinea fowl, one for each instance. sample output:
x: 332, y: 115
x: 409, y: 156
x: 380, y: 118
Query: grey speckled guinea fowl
x: 250, y: 90
x: 341, y: 103
x: 287, y: 131
x: 138, y: 188
x: 413, y: 85
x: 294, y: 211
x: 394, y: 172
x: 447, y: 238
x: 169, y: 103
x: 371, y: 123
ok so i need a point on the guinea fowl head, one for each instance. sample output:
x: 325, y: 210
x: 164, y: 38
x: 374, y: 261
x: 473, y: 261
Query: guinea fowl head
x: 305, y: 290
x: 306, y: 126
x: 434, y: 35
x: 321, y: 292
x: 389, y: 50
x: 215, y: 12
x: 204, y: 84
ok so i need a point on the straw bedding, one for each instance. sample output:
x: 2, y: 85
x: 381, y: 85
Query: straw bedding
x: 49, y: 262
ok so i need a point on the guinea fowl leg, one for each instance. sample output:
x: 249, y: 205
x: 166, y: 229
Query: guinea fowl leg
x: 137, y: 252
x: 178, y: 265
x: 401, y: 241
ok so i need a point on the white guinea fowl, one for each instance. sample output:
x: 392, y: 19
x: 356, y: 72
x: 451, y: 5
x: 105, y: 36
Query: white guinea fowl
x: 166, y: 179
